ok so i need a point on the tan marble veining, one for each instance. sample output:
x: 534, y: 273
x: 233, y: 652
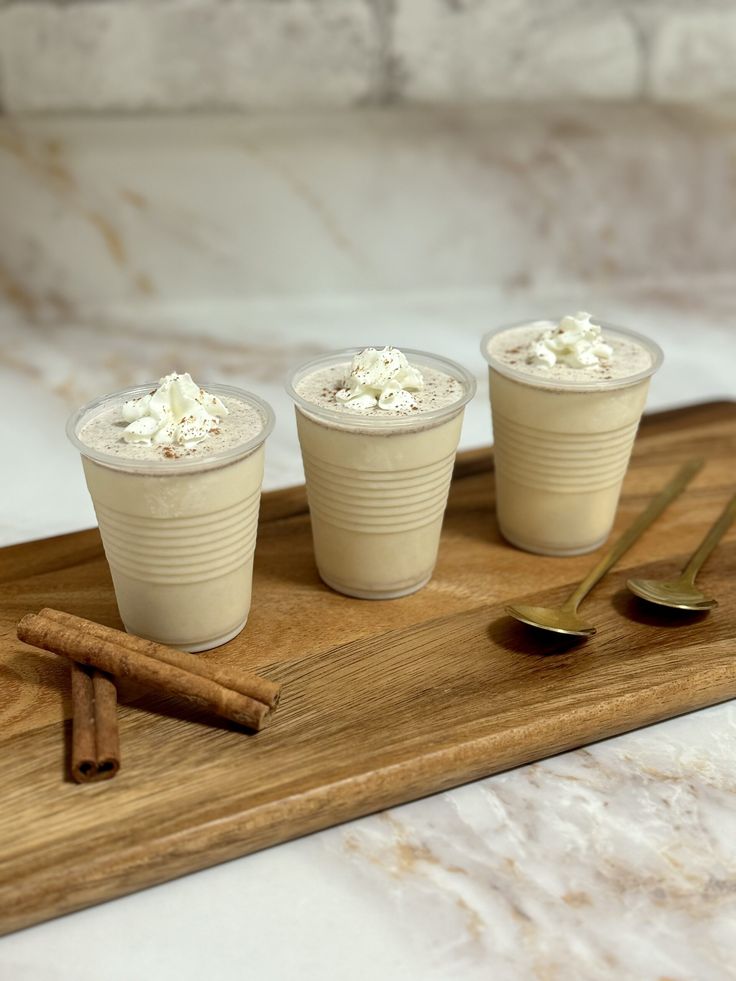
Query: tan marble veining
x: 627, y: 867
x: 113, y: 356
x: 91, y: 206
x: 286, y: 170
x: 111, y: 238
x: 42, y: 158
x: 116, y: 212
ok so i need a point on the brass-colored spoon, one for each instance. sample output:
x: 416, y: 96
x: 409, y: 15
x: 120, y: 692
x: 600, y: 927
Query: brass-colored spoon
x: 564, y: 619
x: 681, y: 593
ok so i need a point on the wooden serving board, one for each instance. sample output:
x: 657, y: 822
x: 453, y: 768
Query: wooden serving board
x: 383, y: 702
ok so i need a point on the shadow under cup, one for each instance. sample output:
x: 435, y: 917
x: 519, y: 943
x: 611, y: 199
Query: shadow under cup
x: 561, y: 452
x: 179, y: 535
x: 378, y: 486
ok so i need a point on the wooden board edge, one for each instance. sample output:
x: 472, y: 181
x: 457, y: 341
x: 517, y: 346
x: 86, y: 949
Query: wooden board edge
x: 94, y: 879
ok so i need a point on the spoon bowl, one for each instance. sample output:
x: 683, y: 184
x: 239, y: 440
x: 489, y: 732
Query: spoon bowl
x: 557, y: 619
x: 677, y: 594
x: 564, y: 619
x: 681, y: 593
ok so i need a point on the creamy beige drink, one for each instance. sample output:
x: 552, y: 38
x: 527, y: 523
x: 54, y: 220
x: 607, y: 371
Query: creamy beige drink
x: 175, y: 477
x: 378, y: 435
x: 566, y: 401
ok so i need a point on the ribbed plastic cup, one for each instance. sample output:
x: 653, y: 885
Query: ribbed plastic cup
x: 179, y: 535
x: 377, y: 486
x: 562, y: 450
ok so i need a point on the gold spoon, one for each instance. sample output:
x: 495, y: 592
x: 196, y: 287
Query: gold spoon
x: 680, y: 593
x: 564, y: 619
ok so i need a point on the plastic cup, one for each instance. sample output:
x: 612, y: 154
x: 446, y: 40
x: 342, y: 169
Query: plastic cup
x: 377, y: 486
x: 179, y: 534
x: 562, y: 450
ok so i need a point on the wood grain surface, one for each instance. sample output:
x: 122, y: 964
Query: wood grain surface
x: 383, y: 702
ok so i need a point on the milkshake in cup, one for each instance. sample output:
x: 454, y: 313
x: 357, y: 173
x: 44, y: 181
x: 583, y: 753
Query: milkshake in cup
x: 175, y: 476
x: 566, y: 401
x: 378, y: 431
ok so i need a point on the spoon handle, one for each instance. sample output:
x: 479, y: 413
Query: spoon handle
x: 710, y: 541
x: 652, y: 511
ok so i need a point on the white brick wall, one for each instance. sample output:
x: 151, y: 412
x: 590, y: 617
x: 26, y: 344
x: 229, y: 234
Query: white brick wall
x: 273, y: 54
x: 517, y: 49
x: 693, y: 55
x: 187, y: 54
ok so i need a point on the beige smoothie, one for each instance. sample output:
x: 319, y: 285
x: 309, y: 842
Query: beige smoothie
x: 566, y: 400
x: 175, y: 479
x: 378, y: 432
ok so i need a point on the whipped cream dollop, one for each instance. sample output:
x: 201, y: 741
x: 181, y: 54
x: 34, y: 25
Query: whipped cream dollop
x: 381, y: 378
x: 177, y: 413
x: 574, y: 342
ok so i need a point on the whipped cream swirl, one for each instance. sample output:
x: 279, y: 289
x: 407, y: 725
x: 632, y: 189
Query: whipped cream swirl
x: 574, y: 342
x: 177, y: 413
x: 381, y: 378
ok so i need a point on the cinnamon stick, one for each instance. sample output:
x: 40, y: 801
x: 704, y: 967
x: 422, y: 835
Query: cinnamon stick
x: 95, y: 741
x: 77, y: 643
x: 247, y: 683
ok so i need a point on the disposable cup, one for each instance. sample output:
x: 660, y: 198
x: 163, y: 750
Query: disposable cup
x: 179, y: 534
x: 378, y: 485
x: 562, y: 449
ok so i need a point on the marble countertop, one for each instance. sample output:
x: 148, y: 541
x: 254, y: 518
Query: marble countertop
x: 614, y: 861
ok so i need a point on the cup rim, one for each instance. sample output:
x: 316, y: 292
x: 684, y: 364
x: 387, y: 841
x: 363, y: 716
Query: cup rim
x: 166, y: 466
x: 340, y: 420
x: 536, y: 381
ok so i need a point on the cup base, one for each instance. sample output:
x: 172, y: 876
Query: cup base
x: 199, y: 646
x: 557, y: 552
x: 376, y: 594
